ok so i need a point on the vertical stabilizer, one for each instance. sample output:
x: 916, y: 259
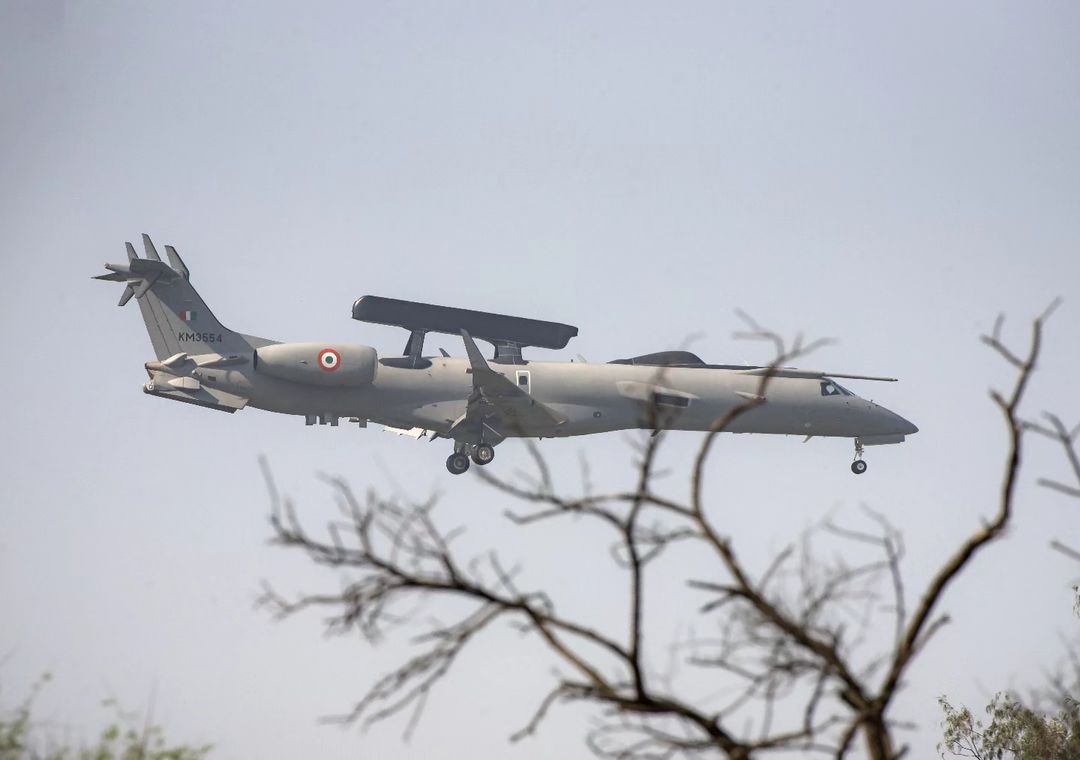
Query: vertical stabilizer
x: 176, y: 317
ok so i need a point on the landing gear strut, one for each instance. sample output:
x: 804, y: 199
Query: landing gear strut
x: 858, y: 466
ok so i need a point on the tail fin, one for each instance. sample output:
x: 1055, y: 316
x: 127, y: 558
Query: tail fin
x: 176, y: 317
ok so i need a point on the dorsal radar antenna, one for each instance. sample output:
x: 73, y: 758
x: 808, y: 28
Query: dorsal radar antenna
x: 508, y: 334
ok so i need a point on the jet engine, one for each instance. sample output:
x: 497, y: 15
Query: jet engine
x: 333, y: 365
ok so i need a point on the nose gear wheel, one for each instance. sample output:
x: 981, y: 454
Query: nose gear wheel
x: 859, y: 466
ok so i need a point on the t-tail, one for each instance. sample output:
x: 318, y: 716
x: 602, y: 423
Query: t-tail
x: 176, y: 317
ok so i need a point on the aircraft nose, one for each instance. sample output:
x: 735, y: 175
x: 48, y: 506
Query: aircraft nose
x: 896, y: 423
x: 909, y: 427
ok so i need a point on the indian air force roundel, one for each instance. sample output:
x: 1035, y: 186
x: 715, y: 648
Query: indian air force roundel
x: 329, y: 360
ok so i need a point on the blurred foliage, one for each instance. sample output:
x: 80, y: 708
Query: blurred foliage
x: 124, y: 738
x: 1013, y: 731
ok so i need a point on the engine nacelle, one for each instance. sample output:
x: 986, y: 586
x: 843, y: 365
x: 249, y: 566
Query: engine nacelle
x: 334, y: 365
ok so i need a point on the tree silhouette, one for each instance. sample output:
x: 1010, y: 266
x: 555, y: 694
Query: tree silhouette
x: 793, y: 638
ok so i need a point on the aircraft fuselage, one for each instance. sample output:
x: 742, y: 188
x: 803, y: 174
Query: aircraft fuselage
x: 593, y: 398
x: 474, y: 401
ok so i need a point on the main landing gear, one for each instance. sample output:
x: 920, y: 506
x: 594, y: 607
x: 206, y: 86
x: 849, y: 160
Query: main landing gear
x: 483, y: 454
x: 458, y: 462
x: 858, y: 466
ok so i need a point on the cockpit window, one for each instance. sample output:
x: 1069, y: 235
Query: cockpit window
x: 832, y: 388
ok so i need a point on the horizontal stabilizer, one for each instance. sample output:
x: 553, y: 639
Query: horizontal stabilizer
x: 139, y: 274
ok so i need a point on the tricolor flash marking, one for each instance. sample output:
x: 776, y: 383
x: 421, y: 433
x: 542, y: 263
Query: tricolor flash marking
x: 329, y: 359
x: 188, y: 316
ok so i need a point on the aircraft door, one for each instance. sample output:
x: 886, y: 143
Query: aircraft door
x: 524, y: 382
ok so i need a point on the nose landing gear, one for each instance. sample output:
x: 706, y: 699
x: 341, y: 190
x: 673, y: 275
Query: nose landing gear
x: 858, y: 466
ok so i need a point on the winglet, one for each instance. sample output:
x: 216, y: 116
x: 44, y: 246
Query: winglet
x: 476, y: 359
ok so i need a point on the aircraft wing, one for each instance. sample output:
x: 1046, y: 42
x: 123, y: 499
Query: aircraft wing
x: 496, y: 402
x: 809, y: 374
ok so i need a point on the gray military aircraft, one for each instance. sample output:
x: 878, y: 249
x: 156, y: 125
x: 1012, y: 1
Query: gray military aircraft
x: 474, y: 402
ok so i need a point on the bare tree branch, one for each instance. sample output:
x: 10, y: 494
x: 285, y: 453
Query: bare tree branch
x: 790, y: 653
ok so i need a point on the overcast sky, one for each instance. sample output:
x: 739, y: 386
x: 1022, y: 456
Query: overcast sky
x: 891, y: 177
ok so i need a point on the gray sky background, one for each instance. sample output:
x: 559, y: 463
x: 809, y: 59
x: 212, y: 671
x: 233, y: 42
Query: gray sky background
x: 892, y: 178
